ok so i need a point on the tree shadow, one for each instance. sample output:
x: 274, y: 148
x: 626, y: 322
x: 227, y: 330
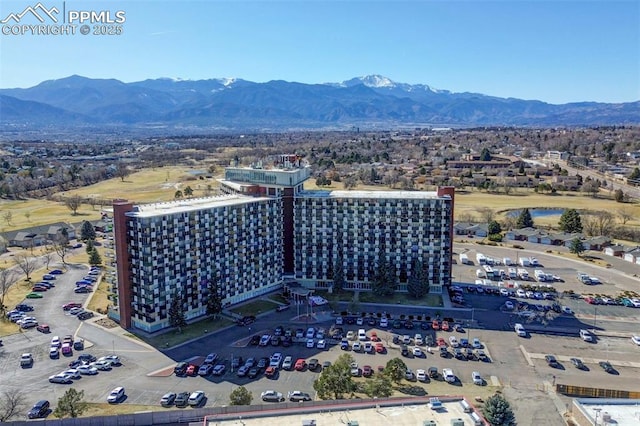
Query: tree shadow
x: 412, y: 390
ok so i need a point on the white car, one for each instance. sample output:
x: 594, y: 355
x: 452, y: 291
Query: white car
x: 275, y: 360
x: 101, y: 365
x: 72, y: 373
x: 567, y: 310
x: 477, y: 378
x: 112, y: 359
x: 421, y: 375
x: 418, y: 340
x: 453, y: 342
x: 351, y: 335
x: 448, y: 375
x: 417, y: 352
x: 384, y: 322
x: 368, y: 348
x: 116, y: 395
x: 322, y: 344
x: 476, y: 344
x: 87, y: 370
x: 636, y: 340
x: 311, y: 343
x: 339, y: 320
x: 357, y: 347
x: 504, y: 292
x: 311, y: 333
x: 55, y: 341
x: 287, y: 364
x: 508, y: 304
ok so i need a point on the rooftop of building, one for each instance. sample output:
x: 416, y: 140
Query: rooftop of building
x: 191, y: 204
x: 369, y: 194
x: 619, y: 412
x: 408, y: 411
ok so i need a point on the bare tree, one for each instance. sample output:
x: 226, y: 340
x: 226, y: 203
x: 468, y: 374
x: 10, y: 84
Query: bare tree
x: 27, y: 264
x: 486, y: 213
x: 598, y: 223
x: 625, y: 214
x: 122, y: 171
x: 12, y: 403
x: 7, y: 278
x: 47, y: 255
x: 73, y: 203
x: 8, y: 217
x: 61, y: 248
x: 465, y: 217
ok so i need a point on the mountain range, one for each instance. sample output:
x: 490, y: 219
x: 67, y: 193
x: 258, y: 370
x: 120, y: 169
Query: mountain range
x: 234, y: 104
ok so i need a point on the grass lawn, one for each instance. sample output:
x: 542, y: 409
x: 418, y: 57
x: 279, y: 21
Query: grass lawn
x: 191, y: 331
x: 431, y: 300
x: 471, y: 202
x: 254, y: 308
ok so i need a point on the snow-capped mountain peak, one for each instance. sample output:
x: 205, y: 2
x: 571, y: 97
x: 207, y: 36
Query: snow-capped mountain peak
x: 376, y: 80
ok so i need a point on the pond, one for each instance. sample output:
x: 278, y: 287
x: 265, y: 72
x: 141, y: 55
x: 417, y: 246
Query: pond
x: 537, y: 212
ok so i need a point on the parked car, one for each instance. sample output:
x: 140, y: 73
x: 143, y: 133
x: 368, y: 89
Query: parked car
x: 577, y: 362
x: 219, y: 369
x: 61, y: 379
x: 116, y: 395
x: 606, y: 366
x: 26, y: 360
x: 477, y: 378
x: 72, y: 373
x: 297, y: 396
x: 552, y: 361
x: 421, y: 375
x: 87, y: 370
x: 287, y: 363
x: 43, y: 328
x: 39, y: 410
x: 196, y: 398
x: 313, y: 364
x: 271, y: 396
x: 168, y: 399
x: 85, y: 315
x: 182, y: 399
x: 101, y: 365
x: 34, y: 295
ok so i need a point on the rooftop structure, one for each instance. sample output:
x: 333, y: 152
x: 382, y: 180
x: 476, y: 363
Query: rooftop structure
x: 601, y: 411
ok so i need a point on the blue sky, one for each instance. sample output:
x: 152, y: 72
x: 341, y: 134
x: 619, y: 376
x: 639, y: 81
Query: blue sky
x: 556, y: 51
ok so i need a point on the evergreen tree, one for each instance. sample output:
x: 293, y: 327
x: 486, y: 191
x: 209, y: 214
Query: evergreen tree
x: 498, y: 412
x: 87, y: 231
x: 570, y: 221
x: 524, y: 220
x: 89, y: 247
x: 94, y: 258
x: 417, y: 285
x: 240, y: 396
x: 379, y: 386
x: 618, y: 195
x: 71, y: 404
x: 576, y: 247
x: 176, y: 313
x: 214, y: 298
x: 338, y: 275
x: 485, y: 155
x: 635, y: 174
x: 494, y: 228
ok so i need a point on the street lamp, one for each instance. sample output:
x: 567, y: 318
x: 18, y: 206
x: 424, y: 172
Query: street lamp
x: 595, y: 316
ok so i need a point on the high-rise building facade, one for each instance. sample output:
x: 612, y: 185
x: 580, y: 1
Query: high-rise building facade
x: 265, y: 230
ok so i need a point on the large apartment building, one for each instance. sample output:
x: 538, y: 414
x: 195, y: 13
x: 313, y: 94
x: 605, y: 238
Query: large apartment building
x: 264, y: 230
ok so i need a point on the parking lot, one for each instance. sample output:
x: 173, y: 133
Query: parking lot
x: 514, y: 362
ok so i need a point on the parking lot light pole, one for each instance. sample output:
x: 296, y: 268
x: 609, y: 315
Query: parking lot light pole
x: 595, y: 316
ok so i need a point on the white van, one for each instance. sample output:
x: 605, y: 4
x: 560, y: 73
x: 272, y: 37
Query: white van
x: 520, y: 330
x: 362, y: 335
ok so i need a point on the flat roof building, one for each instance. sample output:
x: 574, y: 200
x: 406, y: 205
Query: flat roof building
x: 267, y: 229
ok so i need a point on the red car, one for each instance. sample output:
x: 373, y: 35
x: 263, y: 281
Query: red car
x: 39, y: 288
x: 70, y: 305
x: 43, y: 328
x: 367, y: 371
x: 301, y: 363
x: 441, y: 342
x: 374, y: 337
x: 445, y: 325
x: 379, y: 347
x: 435, y: 325
x: 590, y: 300
x: 192, y: 370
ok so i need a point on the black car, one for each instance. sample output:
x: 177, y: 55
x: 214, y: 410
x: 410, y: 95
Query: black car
x: 286, y: 341
x: 408, y: 325
x: 371, y: 321
x: 313, y: 364
x: 425, y: 325
x: 577, y: 362
x: 182, y: 399
x: 278, y: 331
x: 181, y: 369
x: 85, y: 315
x: 254, y: 340
x: 23, y: 307
x: 253, y: 373
x: 246, y: 320
x: 404, y: 350
x: 552, y: 361
x: 39, y: 410
x: 263, y: 363
x: 87, y: 358
x: 82, y: 289
x: 78, y: 344
x: 606, y: 366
